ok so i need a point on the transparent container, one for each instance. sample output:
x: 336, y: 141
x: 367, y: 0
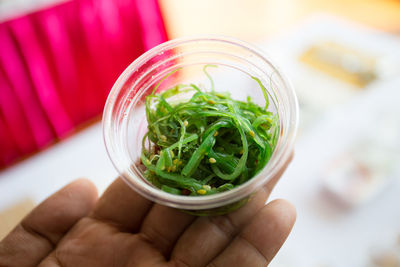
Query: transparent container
x: 124, y: 120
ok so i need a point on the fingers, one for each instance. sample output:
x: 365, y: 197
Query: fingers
x: 38, y: 233
x: 259, y: 241
x: 196, y: 249
x: 163, y: 225
x: 208, y: 236
x: 157, y: 227
x: 122, y: 207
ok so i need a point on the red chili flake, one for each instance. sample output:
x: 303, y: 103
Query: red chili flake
x: 185, y: 192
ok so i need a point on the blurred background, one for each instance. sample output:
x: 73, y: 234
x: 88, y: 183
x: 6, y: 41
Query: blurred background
x: 59, y: 59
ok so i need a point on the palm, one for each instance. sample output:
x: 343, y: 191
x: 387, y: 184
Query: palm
x: 124, y: 229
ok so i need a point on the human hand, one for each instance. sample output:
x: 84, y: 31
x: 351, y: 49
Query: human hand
x: 121, y: 228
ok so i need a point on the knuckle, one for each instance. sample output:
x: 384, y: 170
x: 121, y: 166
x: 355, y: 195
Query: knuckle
x: 224, y: 224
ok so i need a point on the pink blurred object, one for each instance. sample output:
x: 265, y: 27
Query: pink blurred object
x: 57, y: 66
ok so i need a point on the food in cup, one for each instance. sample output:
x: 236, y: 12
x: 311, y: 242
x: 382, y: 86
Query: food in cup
x: 206, y: 143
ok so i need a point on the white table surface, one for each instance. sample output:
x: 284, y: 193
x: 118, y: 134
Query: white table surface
x: 82, y: 155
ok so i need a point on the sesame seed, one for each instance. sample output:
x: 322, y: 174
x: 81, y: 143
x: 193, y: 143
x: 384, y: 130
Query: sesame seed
x: 211, y: 102
x: 171, y: 153
x: 212, y: 160
x: 216, y: 133
x: 206, y: 187
x: 252, y: 133
x: 185, y: 123
x: 163, y: 138
x: 175, y: 161
x: 201, y: 192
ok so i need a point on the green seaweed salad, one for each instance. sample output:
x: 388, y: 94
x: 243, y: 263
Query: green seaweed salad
x: 205, y: 143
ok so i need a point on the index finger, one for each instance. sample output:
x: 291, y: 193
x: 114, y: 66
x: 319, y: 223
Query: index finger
x: 261, y: 239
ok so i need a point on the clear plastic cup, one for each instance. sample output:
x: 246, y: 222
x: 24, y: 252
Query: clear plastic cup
x: 124, y: 119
